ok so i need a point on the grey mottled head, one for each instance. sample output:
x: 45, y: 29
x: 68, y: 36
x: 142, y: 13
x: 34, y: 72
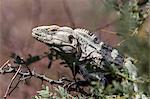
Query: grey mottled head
x: 55, y: 35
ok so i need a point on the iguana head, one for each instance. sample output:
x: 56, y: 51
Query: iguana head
x: 55, y: 35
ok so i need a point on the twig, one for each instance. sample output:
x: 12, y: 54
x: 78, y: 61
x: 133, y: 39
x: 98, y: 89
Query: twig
x: 121, y: 42
x: 27, y: 75
x: 14, y: 87
x: 111, y: 32
x: 5, y: 64
x: 43, y: 77
x: 13, y: 78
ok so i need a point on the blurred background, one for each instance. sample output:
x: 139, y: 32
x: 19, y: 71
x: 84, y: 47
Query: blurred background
x: 18, y: 17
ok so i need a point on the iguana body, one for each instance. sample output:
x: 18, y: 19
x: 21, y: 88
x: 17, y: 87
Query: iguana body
x: 69, y: 40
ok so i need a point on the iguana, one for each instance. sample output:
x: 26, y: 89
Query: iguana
x: 69, y: 40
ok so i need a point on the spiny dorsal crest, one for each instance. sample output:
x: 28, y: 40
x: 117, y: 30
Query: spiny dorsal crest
x: 82, y: 30
x: 90, y: 34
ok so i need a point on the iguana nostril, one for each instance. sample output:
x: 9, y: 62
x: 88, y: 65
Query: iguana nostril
x: 37, y: 34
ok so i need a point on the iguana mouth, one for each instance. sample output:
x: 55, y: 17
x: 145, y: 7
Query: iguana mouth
x: 37, y: 34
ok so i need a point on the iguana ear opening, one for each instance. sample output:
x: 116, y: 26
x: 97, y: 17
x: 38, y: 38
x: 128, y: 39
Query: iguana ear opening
x: 70, y: 37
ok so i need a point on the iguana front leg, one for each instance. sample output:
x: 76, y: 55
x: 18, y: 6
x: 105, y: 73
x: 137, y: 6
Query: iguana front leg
x: 98, y: 76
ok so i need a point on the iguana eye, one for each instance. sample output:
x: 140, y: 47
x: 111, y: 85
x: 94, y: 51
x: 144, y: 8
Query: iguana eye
x: 70, y: 37
x: 46, y: 29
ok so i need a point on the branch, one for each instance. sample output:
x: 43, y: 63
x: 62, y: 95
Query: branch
x: 26, y: 75
x: 43, y: 77
x: 13, y: 78
x: 14, y: 87
x: 5, y: 63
